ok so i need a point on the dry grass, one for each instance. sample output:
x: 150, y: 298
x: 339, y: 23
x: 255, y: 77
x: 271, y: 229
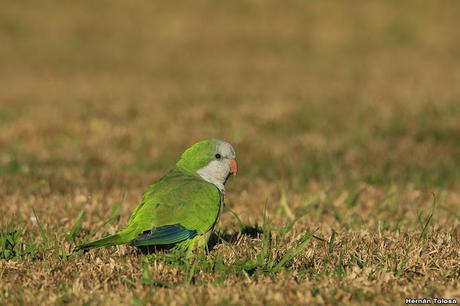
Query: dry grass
x: 346, y: 117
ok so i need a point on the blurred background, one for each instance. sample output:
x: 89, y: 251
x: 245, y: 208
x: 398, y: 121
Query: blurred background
x: 345, y: 114
x: 104, y: 96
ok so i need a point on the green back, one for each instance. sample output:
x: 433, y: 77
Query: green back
x: 178, y: 198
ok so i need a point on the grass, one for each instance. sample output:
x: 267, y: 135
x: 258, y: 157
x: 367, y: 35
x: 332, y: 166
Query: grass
x: 345, y: 120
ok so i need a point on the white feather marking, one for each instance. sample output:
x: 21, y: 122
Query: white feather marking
x: 216, y: 172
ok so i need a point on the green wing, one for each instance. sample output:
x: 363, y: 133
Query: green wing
x: 178, y: 207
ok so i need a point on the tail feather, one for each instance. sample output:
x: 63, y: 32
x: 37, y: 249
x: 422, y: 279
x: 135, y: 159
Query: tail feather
x: 121, y: 237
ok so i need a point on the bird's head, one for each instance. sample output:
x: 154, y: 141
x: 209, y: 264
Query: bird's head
x: 211, y: 159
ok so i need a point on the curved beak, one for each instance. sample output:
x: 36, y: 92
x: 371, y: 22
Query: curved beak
x: 233, y: 167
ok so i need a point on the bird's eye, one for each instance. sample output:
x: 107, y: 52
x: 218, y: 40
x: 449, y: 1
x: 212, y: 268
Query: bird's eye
x: 218, y: 156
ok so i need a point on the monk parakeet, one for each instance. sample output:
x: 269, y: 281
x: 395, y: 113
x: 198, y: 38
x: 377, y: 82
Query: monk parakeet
x: 183, y: 207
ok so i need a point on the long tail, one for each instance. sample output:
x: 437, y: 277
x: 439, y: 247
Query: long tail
x: 121, y: 237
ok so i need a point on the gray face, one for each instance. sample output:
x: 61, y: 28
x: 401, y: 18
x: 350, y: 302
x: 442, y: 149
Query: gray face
x: 218, y: 169
x: 226, y: 150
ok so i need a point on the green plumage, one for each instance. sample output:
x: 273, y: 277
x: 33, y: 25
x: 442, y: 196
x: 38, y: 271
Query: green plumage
x: 181, y: 208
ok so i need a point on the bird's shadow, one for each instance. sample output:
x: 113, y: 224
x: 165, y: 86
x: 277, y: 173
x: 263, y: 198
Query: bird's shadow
x: 215, y: 239
x: 233, y: 237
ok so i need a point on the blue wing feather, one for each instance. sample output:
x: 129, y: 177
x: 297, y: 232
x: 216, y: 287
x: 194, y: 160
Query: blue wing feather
x: 167, y: 234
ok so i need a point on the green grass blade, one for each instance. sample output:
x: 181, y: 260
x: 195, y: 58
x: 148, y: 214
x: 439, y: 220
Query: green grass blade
x: 240, y: 223
x: 115, y: 214
x: 286, y: 229
x: 191, y: 271
x: 77, y: 226
x: 43, y: 234
x: 331, y: 243
x: 429, y: 219
x: 291, y: 254
x: 146, y: 275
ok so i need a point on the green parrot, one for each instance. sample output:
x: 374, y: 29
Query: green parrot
x: 183, y: 207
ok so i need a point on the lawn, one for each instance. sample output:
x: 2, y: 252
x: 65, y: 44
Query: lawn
x: 345, y: 118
